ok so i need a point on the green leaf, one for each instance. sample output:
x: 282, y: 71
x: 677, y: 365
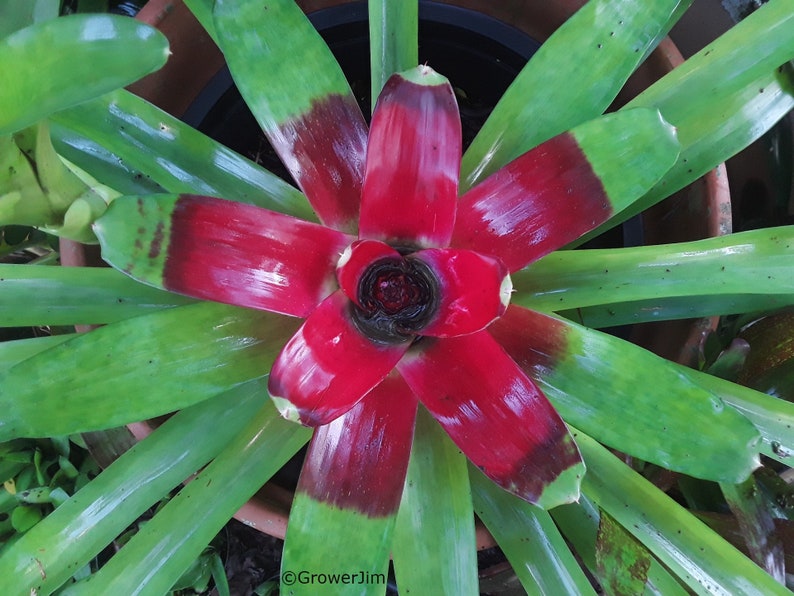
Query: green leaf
x: 580, y: 523
x: 669, y: 309
x: 219, y: 576
x: 699, y: 556
x: 14, y: 352
x: 175, y: 155
x: 32, y: 296
x: 9, y: 469
x: 594, y: 379
x: 103, y: 164
x: 434, y: 542
x: 154, y: 559
x: 16, y: 15
x: 571, y: 79
x: 717, y: 115
x: 37, y: 495
x: 80, y: 528
x: 710, y: 274
x: 528, y: 537
x: 730, y: 360
x: 290, y: 55
x: 622, y: 562
x: 22, y: 199
x: 356, y: 542
x: 24, y: 517
x: 196, y: 577
x: 394, y: 45
x: 139, y: 368
x: 773, y: 417
x: 60, y: 62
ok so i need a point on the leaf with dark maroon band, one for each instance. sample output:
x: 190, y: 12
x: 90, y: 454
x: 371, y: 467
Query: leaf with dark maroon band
x: 222, y: 250
x: 496, y: 416
x: 413, y: 162
x: 350, y: 486
x: 556, y: 192
x: 358, y: 461
x: 594, y: 380
x: 328, y: 365
x: 300, y: 98
x: 573, y: 77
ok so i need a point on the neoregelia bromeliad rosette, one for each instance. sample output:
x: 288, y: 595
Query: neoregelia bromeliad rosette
x: 401, y: 311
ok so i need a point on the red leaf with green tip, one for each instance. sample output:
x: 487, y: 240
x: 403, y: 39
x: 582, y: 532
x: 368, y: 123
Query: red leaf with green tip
x: 359, y: 460
x: 473, y: 290
x: 496, y: 416
x: 355, y: 262
x: 534, y: 205
x: 328, y: 365
x: 222, y: 250
x: 594, y: 379
x: 301, y: 99
x: 565, y: 187
x: 572, y: 78
x: 350, y: 488
x: 413, y: 162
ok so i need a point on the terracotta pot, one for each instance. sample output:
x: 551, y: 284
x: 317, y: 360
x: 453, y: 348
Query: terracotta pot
x: 195, y: 61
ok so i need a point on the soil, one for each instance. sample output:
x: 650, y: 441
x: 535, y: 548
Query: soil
x: 251, y: 559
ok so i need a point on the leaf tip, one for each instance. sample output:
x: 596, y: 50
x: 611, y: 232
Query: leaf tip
x: 564, y: 489
x: 286, y: 408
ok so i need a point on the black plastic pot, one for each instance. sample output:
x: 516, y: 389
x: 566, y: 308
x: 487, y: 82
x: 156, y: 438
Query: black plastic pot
x: 479, y: 54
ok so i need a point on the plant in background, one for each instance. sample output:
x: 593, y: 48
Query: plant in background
x: 209, y: 362
x: 38, y: 476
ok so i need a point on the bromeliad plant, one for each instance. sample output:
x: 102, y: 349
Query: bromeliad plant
x: 396, y: 299
x: 405, y: 287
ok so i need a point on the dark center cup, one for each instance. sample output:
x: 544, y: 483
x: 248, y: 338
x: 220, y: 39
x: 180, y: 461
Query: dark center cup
x: 398, y: 297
